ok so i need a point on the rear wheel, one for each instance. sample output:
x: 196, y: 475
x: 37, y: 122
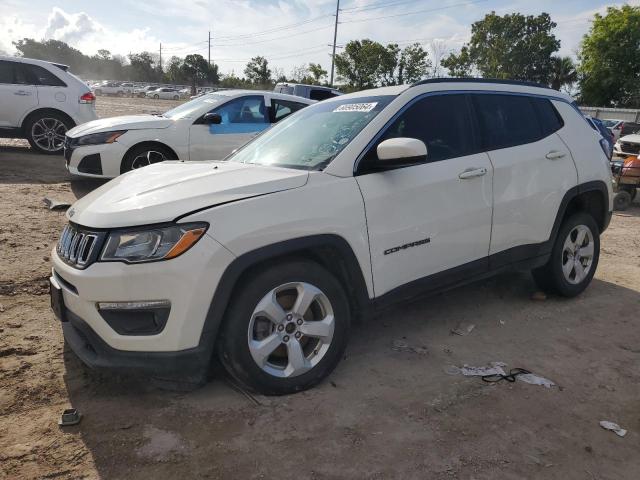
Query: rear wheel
x: 286, y: 328
x: 574, y: 257
x: 631, y: 189
x: 156, y: 96
x: 46, y: 132
x: 622, y: 200
x: 176, y: 97
x: 143, y: 155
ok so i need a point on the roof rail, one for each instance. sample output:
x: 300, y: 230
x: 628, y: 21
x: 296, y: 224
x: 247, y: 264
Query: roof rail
x: 480, y: 80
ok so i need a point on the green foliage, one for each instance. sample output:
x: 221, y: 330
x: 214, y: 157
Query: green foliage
x: 196, y: 69
x: 563, y: 72
x: 257, y: 71
x: 143, y: 67
x: 512, y: 46
x: 609, y: 70
x: 366, y: 64
x: 317, y: 72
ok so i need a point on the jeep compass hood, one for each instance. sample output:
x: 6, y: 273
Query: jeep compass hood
x: 164, y: 191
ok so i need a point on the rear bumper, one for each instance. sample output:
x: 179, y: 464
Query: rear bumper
x: 95, y: 353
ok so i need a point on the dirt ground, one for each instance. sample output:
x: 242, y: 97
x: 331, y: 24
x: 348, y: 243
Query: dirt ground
x: 386, y: 412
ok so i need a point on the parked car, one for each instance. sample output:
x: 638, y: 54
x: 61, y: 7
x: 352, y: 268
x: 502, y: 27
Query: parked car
x: 620, y: 128
x: 165, y: 93
x: 346, y: 206
x: 142, y: 91
x: 209, y: 127
x: 628, y: 145
x: 111, y: 88
x: 185, y: 92
x: 607, y: 136
x: 314, y: 92
x: 626, y: 175
x: 40, y: 101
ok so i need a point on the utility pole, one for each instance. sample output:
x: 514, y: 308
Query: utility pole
x: 209, y: 47
x: 160, y: 56
x: 335, y: 36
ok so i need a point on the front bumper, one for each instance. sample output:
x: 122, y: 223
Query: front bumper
x: 82, y: 160
x: 626, y: 150
x: 186, y: 282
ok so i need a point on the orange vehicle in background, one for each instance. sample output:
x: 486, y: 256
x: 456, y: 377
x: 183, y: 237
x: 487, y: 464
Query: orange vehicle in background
x: 626, y: 174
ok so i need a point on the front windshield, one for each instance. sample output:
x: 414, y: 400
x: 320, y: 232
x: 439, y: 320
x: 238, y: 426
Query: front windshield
x: 193, y: 107
x: 311, y: 138
x: 609, y: 123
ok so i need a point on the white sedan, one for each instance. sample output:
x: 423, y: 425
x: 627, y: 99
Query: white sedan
x: 165, y: 93
x: 209, y: 127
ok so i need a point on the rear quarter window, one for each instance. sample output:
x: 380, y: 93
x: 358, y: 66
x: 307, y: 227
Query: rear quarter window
x: 42, y: 76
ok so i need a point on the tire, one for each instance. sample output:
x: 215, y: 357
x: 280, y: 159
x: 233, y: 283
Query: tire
x: 46, y: 132
x: 631, y: 189
x: 622, y: 200
x: 321, y: 350
x: 561, y: 274
x: 154, y: 153
x: 156, y: 97
x: 176, y: 97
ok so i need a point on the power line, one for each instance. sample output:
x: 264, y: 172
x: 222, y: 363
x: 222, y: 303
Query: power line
x: 415, y: 12
x: 274, y: 29
x: 272, y: 39
x: 377, y: 5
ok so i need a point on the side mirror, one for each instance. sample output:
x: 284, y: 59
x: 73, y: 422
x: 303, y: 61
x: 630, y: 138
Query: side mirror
x: 212, y: 118
x: 401, y: 152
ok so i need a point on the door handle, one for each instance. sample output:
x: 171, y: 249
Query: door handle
x: 554, y: 155
x: 22, y: 93
x: 472, y: 173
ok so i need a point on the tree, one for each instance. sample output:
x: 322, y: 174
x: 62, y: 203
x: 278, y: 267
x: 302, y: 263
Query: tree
x: 142, y: 66
x: 359, y: 64
x: 413, y: 64
x: 195, y: 68
x: 609, y: 70
x: 563, y: 72
x: 512, y: 46
x: 174, y: 72
x: 317, y: 72
x: 257, y: 71
x: 103, y: 54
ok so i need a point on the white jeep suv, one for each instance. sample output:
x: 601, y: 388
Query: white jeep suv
x: 40, y: 101
x: 346, y: 205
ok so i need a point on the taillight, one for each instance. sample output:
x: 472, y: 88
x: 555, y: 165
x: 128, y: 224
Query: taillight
x: 88, y: 97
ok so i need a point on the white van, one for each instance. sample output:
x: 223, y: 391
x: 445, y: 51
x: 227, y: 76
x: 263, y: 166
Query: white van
x: 314, y: 92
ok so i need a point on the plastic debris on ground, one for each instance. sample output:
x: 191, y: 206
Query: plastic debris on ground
x: 538, y: 296
x: 463, y: 329
x: 54, y: 204
x: 614, y: 427
x: 533, y: 379
x: 402, y: 346
x: 495, y: 368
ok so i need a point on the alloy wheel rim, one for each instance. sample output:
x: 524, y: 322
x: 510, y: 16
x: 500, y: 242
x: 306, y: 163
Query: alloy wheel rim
x: 577, y: 254
x: 147, y: 158
x: 291, y: 329
x: 48, y: 134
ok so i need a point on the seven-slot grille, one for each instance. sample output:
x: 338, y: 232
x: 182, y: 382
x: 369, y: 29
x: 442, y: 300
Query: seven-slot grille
x: 76, y: 247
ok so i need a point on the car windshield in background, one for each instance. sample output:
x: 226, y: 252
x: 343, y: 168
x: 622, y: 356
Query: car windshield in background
x: 312, y: 137
x: 186, y: 110
x: 610, y: 123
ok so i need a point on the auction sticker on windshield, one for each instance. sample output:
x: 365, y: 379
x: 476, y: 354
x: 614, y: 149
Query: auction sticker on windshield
x: 356, y: 107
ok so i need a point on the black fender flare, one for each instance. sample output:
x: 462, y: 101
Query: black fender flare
x: 292, y: 248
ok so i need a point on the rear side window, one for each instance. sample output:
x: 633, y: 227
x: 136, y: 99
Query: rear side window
x: 42, y: 76
x: 12, y: 73
x: 320, y: 94
x: 550, y: 119
x: 506, y: 120
x: 442, y: 122
x: 283, y: 108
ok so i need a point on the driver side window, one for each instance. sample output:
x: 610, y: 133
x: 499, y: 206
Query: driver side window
x: 243, y: 110
x: 442, y: 122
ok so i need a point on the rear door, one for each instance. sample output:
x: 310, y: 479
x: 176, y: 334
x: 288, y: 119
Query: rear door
x: 51, y: 89
x: 436, y: 216
x: 17, y: 95
x: 533, y: 169
x: 242, y: 119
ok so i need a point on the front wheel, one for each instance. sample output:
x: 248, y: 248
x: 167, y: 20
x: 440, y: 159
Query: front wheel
x: 286, y: 328
x: 143, y: 155
x: 574, y: 257
x: 156, y: 97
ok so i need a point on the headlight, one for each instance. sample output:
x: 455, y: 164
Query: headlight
x: 99, y: 138
x: 161, y: 243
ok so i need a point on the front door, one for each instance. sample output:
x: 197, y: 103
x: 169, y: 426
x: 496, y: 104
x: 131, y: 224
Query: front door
x: 17, y: 96
x: 432, y: 217
x: 242, y: 119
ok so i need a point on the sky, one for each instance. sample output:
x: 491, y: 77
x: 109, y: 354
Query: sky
x: 287, y: 33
